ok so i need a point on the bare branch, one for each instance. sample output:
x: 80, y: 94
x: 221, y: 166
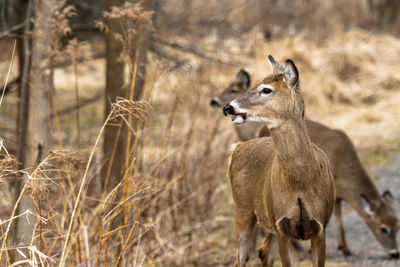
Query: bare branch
x: 193, y: 51
x: 12, y: 29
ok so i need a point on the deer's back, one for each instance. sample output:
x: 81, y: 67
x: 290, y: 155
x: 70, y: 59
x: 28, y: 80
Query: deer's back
x: 347, y: 170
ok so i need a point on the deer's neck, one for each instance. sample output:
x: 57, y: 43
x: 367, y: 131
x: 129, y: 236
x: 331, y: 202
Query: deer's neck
x: 293, y: 149
x: 367, y: 188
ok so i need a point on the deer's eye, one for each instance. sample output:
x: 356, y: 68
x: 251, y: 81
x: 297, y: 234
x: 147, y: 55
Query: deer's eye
x: 266, y: 91
x: 384, y: 230
x: 233, y: 91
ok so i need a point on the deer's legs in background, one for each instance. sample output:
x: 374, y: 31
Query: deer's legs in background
x: 267, y: 250
x: 342, y: 244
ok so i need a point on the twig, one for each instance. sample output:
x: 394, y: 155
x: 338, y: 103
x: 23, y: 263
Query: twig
x: 87, y: 250
x: 11, y: 84
x: 193, y: 51
x: 62, y: 260
x: 68, y: 62
x: 77, y: 101
x: 8, y: 72
x: 82, y: 103
x: 12, y: 29
x: 126, y: 243
x: 62, y: 64
x: 163, y: 54
x: 16, y: 205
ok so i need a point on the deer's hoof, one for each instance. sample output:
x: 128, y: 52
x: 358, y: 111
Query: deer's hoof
x: 345, y: 251
x: 297, y: 246
x: 394, y: 256
x: 261, y: 254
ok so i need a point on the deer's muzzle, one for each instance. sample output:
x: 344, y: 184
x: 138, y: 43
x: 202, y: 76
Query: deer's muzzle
x: 394, y: 255
x: 228, y: 110
x: 214, y: 103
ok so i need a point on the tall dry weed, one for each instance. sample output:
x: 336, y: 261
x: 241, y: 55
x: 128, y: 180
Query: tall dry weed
x: 175, y: 203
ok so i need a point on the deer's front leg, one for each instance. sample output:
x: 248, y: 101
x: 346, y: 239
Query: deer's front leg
x: 267, y: 251
x: 318, y: 247
x: 245, y: 227
x: 342, y: 244
x: 284, y: 250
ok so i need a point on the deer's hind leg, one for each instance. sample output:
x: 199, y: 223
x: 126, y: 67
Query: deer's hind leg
x: 318, y: 247
x: 267, y: 250
x: 245, y: 228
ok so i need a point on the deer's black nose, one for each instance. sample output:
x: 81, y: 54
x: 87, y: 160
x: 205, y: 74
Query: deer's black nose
x: 228, y: 110
x: 394, y: 255
x: 214, y: 103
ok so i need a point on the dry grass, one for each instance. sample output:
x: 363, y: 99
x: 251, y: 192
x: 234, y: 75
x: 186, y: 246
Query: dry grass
x: 176, y: 205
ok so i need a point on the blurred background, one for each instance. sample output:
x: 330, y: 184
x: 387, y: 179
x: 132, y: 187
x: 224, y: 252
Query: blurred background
x: 110, y: 152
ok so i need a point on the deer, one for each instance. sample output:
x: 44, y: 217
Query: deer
x: 353, y: 184
x: 284, y: 181
x: 248, y: 130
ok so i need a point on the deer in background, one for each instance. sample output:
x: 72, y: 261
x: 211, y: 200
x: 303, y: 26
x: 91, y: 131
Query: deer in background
x: 244, y: 131
x: 284, y: 181
x: 353, y: 184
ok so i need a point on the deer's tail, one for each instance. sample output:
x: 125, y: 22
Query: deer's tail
x: 301, y: 227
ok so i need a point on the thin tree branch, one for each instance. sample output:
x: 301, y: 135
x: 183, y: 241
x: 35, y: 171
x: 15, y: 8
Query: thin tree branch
x: 192, y: 51
x: 163, y: 54
x: 12, y: 29
x: 11, y: 85
x: 82, y: 103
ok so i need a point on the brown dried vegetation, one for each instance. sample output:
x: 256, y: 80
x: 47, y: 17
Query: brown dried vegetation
x: 176, y: 206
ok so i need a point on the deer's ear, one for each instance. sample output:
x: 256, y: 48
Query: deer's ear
x: 244, y: 78
x: 367, y: 206
x: 275, y: 66
x: 291, y: 75
x: 387, y: 196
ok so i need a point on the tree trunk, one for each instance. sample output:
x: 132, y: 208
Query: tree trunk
x: 38, y: 137
x: 115, y: 133
x: 141, y: 47
x: 24, y: 56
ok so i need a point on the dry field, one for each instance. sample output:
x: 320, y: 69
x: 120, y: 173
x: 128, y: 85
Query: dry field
x: 177, y: 202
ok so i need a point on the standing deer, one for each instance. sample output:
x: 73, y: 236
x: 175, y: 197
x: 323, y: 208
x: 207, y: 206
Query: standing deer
x: 284, y: 181
x: 353, y: 184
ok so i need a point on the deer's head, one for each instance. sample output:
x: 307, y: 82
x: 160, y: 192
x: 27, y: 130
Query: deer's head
x: 275, y: 99
x: 234, y: 89
x: 382, y: 220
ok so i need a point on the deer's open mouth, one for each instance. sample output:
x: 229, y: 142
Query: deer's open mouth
x: 239, y: 117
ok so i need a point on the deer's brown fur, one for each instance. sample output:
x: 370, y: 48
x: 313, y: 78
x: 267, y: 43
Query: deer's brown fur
x: 354, y: 186
x: 284, y: 181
